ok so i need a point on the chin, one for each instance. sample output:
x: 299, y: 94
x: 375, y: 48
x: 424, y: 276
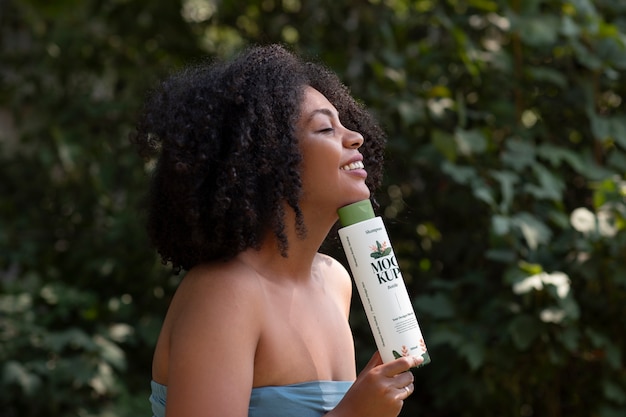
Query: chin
x: 353, y: 198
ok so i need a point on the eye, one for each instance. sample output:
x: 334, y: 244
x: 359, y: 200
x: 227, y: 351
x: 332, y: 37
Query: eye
x: 327, y: 130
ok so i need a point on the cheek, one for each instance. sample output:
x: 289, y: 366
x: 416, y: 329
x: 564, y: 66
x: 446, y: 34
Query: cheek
x: 319, y: 174
x: 322, y: 157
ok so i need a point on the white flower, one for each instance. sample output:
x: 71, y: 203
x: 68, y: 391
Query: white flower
x: 552, y: 315
x: 606, y: 222
x: 560, y: 281
x: 583, y: 220
x: 529, y: 283
x: 537, y: 282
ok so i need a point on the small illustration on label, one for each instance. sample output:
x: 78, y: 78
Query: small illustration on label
x: 380, y: 250
x: 405, y: 351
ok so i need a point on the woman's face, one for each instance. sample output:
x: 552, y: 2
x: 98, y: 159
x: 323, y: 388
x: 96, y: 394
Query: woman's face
x: 333, y: 174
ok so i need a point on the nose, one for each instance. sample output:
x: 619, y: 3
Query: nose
x: 352, y: 139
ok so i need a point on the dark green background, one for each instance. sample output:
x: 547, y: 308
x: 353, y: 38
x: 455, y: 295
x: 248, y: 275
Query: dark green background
x: 504, y: 191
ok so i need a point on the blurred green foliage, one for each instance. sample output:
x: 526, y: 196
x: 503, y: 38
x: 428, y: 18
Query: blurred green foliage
x: 504, y: 193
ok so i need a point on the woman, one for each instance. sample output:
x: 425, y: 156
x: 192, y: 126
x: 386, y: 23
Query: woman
x: 254, y: 157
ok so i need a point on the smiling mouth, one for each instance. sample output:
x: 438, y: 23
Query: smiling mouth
x: 353, y: 165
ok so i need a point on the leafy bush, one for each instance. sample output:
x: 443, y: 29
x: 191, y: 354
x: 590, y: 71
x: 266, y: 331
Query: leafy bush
x: 504, y: 194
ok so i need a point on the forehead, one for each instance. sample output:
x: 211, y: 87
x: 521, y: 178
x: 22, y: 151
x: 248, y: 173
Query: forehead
x: 312, y: 101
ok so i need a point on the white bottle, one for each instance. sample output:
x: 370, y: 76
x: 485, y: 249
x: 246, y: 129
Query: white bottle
x: 380, y: 284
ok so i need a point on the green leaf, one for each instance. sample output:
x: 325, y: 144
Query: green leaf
x: 557, y: 155
x: 614, y: 392
x: 585, y: 8
x: 14, y: 372
x: 411, y: 112
x: 538, y: 30
x: 438, y: 306
x: 518, y: 154
x: 548, y: 75
x: 618, y: 130
x: 611, y: 350
x: 613, y: 355
x: 470, y: 142
x: 507, y: 180
x: 592, y: 170
x: 586, y: 56
x: 444, y: 143
x: 569, y: 27
x: 506, y: 256
x: 524, y: 329
x: 485, y: 5
x: 570, y: 338
x: 617, y: 161
x: 606, y: 410
x: 483, y: 193
x: 535, y: 232
x: 72, y: 338
x: 111, y: 352
x: 460, y: 174
x: 550, y: 187
x: 474, y: 353
x: 445, y: 336
x: 501, y: 225
x: 601, y: 127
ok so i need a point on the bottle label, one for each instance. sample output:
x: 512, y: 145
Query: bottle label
x: 382, y: 290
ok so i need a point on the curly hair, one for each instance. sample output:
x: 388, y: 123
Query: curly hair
x: 227, y: 157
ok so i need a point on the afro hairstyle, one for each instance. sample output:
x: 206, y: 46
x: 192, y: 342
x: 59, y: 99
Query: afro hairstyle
x: 227, y: 158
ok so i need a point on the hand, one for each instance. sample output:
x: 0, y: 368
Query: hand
x: 380, y: 389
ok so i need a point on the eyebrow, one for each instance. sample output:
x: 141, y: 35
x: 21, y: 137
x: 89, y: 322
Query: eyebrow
x: 324, y: 111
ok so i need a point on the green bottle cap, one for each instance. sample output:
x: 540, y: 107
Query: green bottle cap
x: 355, y: 212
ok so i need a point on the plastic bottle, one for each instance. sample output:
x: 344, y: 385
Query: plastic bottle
x: 380, y: 284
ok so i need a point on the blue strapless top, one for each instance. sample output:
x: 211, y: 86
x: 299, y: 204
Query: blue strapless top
x: 307, y: 399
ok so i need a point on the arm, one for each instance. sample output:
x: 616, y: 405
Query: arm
x: 213, y: 338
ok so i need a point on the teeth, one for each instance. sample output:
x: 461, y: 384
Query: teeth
x: 354, y: 165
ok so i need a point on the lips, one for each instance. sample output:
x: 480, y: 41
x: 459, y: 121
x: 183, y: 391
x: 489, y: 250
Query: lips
x: 353, y: 165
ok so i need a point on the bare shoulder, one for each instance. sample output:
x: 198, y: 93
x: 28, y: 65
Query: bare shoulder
x: 336, y: 276
x: 218, y: 279
x: 210, y: 334
x: 214, y: 303
x: 327, y: 261
x: 220, y: 289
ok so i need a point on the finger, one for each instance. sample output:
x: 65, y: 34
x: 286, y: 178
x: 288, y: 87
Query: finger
x: 406, y: 391
x: 402, y: 365
x: 415, y: 361
x: 403, y: 379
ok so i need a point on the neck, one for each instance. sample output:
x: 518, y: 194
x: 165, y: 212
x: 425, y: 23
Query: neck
x: 301, y: 251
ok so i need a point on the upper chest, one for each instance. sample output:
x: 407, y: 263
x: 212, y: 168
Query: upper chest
x: 304, y: 336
